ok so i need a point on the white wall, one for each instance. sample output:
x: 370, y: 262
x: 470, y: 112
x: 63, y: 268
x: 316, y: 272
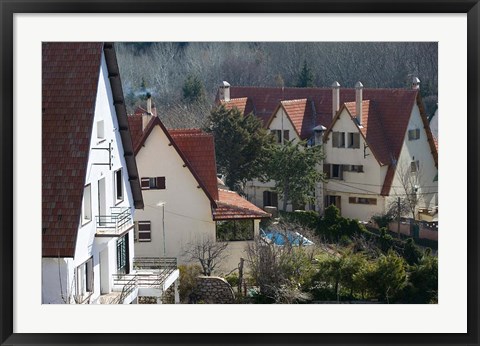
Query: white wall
x: 367, y: 184
x: 417, y: 150
x: 187, y: 211
x: 57, y: 279
x: 87, y: 244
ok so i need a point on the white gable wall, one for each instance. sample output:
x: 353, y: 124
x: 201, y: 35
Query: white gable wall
x: 87, y: 245
x: 187, y: 211
x: 361, y: 185
x: 413, y: 150
x: 254, y: 189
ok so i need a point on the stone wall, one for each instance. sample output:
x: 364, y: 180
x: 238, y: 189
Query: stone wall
x: 212, y: 290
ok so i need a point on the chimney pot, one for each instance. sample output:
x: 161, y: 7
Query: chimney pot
x: 224, y: 91
x: 359, y: 101
x: 415, y: 83
x: 335, y: 98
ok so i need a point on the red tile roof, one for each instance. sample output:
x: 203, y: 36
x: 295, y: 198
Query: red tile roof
x: 243, y: 104
x: 70, y: 75
x: 198, y: 148
x: 135, y: 125
x: 231, y: 206
x: 386, y: 113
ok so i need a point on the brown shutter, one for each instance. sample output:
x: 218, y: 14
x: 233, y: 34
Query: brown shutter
x: 335, y: 139
x: 145, y: 183
x: 144, y: 231
x: 161, y: 183
x: 286, y: 135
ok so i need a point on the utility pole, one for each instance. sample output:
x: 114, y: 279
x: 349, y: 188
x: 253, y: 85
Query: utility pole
x: 398, y: 217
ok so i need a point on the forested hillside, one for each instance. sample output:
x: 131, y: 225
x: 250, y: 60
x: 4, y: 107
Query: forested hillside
x: 183, y: 77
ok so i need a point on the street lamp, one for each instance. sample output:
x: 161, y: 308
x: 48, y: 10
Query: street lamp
x: 162, y: 204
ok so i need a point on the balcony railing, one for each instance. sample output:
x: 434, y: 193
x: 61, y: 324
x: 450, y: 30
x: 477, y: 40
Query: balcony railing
x: 116, y: 224
x: 149, y: 272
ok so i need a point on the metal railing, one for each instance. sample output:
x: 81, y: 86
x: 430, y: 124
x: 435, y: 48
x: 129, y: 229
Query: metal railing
x: 116, y: 222
x: 151, y: 272
x: 128, y: 287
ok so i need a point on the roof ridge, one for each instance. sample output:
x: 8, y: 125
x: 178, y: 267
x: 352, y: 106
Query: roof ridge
x: 293, y: 100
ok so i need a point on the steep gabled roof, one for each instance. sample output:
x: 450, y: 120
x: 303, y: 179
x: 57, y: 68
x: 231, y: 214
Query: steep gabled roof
x: 243, y: 104
x: 179, y: 141
x: 301, y: 115
x: 70, y: 75
x: 199, y: 149
x: 231, y: 206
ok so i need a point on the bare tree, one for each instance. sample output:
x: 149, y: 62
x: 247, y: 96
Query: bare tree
x: 208, y: 252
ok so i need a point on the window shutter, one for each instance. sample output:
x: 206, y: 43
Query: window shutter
x: 326, y: 170
x: 144, y: 231
x: 145, y: 183
x: 356, y: 141
x: 286, y: 135
x: 335, y: 139
x: 161, y: 183
x: 89, y: 276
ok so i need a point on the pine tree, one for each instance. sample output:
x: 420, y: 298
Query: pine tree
x: 305, y: 79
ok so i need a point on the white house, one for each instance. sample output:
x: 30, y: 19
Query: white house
x: 90, y: 182
x: 183, y: 203
x: 367, y: 135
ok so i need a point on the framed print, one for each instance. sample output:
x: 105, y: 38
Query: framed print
x: 93, y: 94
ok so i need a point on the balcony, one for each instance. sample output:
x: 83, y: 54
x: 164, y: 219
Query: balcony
x: 151, y: 276
x: 116, y: 224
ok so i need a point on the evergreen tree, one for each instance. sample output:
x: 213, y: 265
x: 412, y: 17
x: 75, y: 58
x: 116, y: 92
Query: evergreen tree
x: 305, y: 79
x: 292, y: 166
x: 193, y: 90
x: 241, y: 145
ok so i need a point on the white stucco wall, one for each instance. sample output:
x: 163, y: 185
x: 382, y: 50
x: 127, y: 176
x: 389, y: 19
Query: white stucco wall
x: 367, y: 184
x: 57, y: 279
x: 87, y: 245
x: 187, y: 209
x: 413, y: 150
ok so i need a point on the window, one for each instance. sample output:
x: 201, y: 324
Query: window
x: 122, y: 255
x: 413, y: 134
x: 156, y: 183
x: 337, y: 172
x: 338, y: 139
x: 144, y: 231
x: 118, y: 181
x: 87, y: 204
x: 414, y: 166
x: 362, y: 200
x: 333, y: 200
x: 234, y: 230
x: 353, y: 140
x: 270, y: 199
x: 353, y: 168
x: 84, y: 282
x: 278, y: 135
x: 100, y: 130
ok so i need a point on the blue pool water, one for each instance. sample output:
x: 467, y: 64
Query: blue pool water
x: 279, y: 238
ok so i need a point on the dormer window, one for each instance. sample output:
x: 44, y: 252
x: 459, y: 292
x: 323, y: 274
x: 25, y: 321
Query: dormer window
x: 413, y: 134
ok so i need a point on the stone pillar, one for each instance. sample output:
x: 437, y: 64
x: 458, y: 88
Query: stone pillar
x: 177, y: 295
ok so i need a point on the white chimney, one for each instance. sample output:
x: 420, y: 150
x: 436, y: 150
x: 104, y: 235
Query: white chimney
x: 335, y: 98
x: 224, y: 91
x: 148, y: 115
x: 415, y: 83
x: 358, y: 101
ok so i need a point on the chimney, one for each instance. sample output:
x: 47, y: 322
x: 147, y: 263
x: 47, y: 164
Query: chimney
x: 224, y: 91
x: 358, y: 101
x: 335, y: 98
x: 415, y: 83
x: 148, y: 115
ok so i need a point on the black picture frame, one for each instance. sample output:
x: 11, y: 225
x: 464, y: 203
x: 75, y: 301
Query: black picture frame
x: 9, y: 7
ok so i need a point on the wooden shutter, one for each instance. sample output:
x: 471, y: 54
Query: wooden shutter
x: 160, y: 183
x: 286, y: 135
x: 356, y: 140
x: 145, y: 183
x: 335, y: 139
x: 144, y: 231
